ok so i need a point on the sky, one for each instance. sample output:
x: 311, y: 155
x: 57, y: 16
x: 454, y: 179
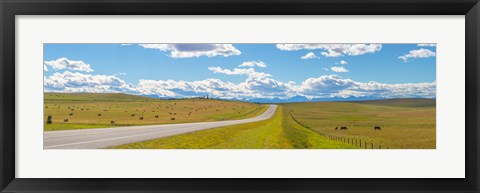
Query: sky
x: 243, y: 71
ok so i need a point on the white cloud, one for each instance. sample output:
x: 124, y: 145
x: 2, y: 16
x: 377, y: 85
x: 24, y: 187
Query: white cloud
x: 334, y: 50
x: 195, y: 50
x: 427, y: 45
x: 335, y: 86
x: 309, y: 55
x: 250, y: 72
x: 339, y: 69
x: 343, y: 62
x: 253, y: 64
x: 120, y: 74
x: 65, y: 63
x: 420, y: 53
x: 78, y: 82
x: 254, y: 86
x: 326, y: 69
x: 45, y: 68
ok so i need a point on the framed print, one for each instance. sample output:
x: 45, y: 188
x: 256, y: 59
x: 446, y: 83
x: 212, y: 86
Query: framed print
x: 239, y: 96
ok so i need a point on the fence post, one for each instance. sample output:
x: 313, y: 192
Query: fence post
x: 365, y: 145
x: 372, y: 145
x: 379, y: 147
x: 360, y: 143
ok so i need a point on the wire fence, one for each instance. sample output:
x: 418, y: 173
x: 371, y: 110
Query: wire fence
x: 354, y: 141
x: 349, y: 140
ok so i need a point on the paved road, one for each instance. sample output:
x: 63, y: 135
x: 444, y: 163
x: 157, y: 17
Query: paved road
x: 107, y: 137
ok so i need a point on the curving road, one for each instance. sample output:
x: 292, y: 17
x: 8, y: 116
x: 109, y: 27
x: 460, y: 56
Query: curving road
x: 107, y: 137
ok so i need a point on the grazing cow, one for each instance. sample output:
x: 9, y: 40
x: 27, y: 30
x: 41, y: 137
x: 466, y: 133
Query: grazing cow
x: 133, y: 115
x: 377, y: 128
x: 141, y: 118
x: 336, y: 128
x: 156, y: 116
x: 99, y: 114
x: 71, y: 114
x: 65, y: 120
x: 112, y: 122
x: 343, y: 128
x: 173, y: 118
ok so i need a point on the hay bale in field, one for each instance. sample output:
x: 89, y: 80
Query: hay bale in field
x: 49, y: 119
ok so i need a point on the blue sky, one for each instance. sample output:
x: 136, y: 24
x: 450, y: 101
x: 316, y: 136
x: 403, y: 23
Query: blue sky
x: 268, y: 70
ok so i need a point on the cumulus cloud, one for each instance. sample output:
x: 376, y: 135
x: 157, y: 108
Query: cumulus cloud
x: 257, y: 63
x: 335, y: 86
x: 339, y: 69
x: 172, y: 88
x: 254, y: 86
x: 343, y: 62
x: 45, y: 68
x: 309, y: 55
x: 195, y: 50
x: 78, y: 82
x: 250, y: 72
x: 66, y: 64
x: 427, y: 45
x: 334, y: 50
x: 420, y: 53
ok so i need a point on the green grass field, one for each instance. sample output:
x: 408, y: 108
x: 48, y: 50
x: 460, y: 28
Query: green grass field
x: 85, y: 111
x: 278, y: 132
x: 405, y: 123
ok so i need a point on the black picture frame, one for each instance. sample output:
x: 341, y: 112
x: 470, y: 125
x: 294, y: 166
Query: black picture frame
x: 10, y: 8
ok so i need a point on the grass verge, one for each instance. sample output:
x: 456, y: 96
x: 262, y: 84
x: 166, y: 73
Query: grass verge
x: 278, y: 132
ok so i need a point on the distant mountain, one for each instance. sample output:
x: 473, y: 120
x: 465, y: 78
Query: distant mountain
x: 305, y: 99
x: 294, y: 99
x: 278, y: 100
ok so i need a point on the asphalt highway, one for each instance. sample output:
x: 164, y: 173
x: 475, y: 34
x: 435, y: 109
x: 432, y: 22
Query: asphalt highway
x: 108, y: 137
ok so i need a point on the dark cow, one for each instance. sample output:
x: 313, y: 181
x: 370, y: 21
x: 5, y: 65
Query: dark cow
x: 65, y: 120
x: 156, y: 116
x: 112, y: 122
x: 71, y: 114
x: 173, y: 118
x: 343, y: 128
x: 336, y: 128
x: 141, y: 118
x: 377, y: 128
x: 133, y: 115
x: 100, y: 114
